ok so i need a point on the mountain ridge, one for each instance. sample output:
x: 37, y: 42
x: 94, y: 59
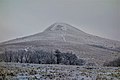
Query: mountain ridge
x: 65, y: 37
x: 62, y: 30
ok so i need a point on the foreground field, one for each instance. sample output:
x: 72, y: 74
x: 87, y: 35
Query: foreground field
x: 25, y: 71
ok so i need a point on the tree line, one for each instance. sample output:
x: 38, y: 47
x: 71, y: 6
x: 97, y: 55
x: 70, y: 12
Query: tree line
x: 41, y: 57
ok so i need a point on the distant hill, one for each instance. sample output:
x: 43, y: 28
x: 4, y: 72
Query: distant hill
x: 67, y: 38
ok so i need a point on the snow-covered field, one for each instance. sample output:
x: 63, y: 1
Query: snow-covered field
x: 26, y: 71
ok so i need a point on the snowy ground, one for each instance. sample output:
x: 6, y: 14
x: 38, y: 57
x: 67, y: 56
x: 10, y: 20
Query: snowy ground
x: 25, y: 71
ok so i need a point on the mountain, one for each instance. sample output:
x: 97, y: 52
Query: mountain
x: 67, y: 38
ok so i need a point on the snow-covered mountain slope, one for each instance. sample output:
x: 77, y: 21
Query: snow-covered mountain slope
x: 67, y: 33
x: 68, y: 38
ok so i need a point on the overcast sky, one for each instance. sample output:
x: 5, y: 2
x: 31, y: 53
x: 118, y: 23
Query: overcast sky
x: 25, y: 17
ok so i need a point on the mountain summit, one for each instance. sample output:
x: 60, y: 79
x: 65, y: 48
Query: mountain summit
x: 58, y: 27
x: 65, y: 37
x: 61, y: 27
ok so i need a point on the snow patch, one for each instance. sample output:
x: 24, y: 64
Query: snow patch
x: 59, y: 27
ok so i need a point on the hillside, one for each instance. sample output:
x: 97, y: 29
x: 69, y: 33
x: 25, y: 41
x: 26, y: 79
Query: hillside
x: 67, y: 38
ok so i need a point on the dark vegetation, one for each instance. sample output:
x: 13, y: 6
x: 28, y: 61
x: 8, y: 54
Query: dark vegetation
x: 114, y: 63
x: 41, y: 57
x: 99, y: 46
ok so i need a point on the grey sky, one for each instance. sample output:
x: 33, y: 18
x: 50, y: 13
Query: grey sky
x: 25, y: 17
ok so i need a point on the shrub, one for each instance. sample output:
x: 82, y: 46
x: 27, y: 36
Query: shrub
x: 114, y: 63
